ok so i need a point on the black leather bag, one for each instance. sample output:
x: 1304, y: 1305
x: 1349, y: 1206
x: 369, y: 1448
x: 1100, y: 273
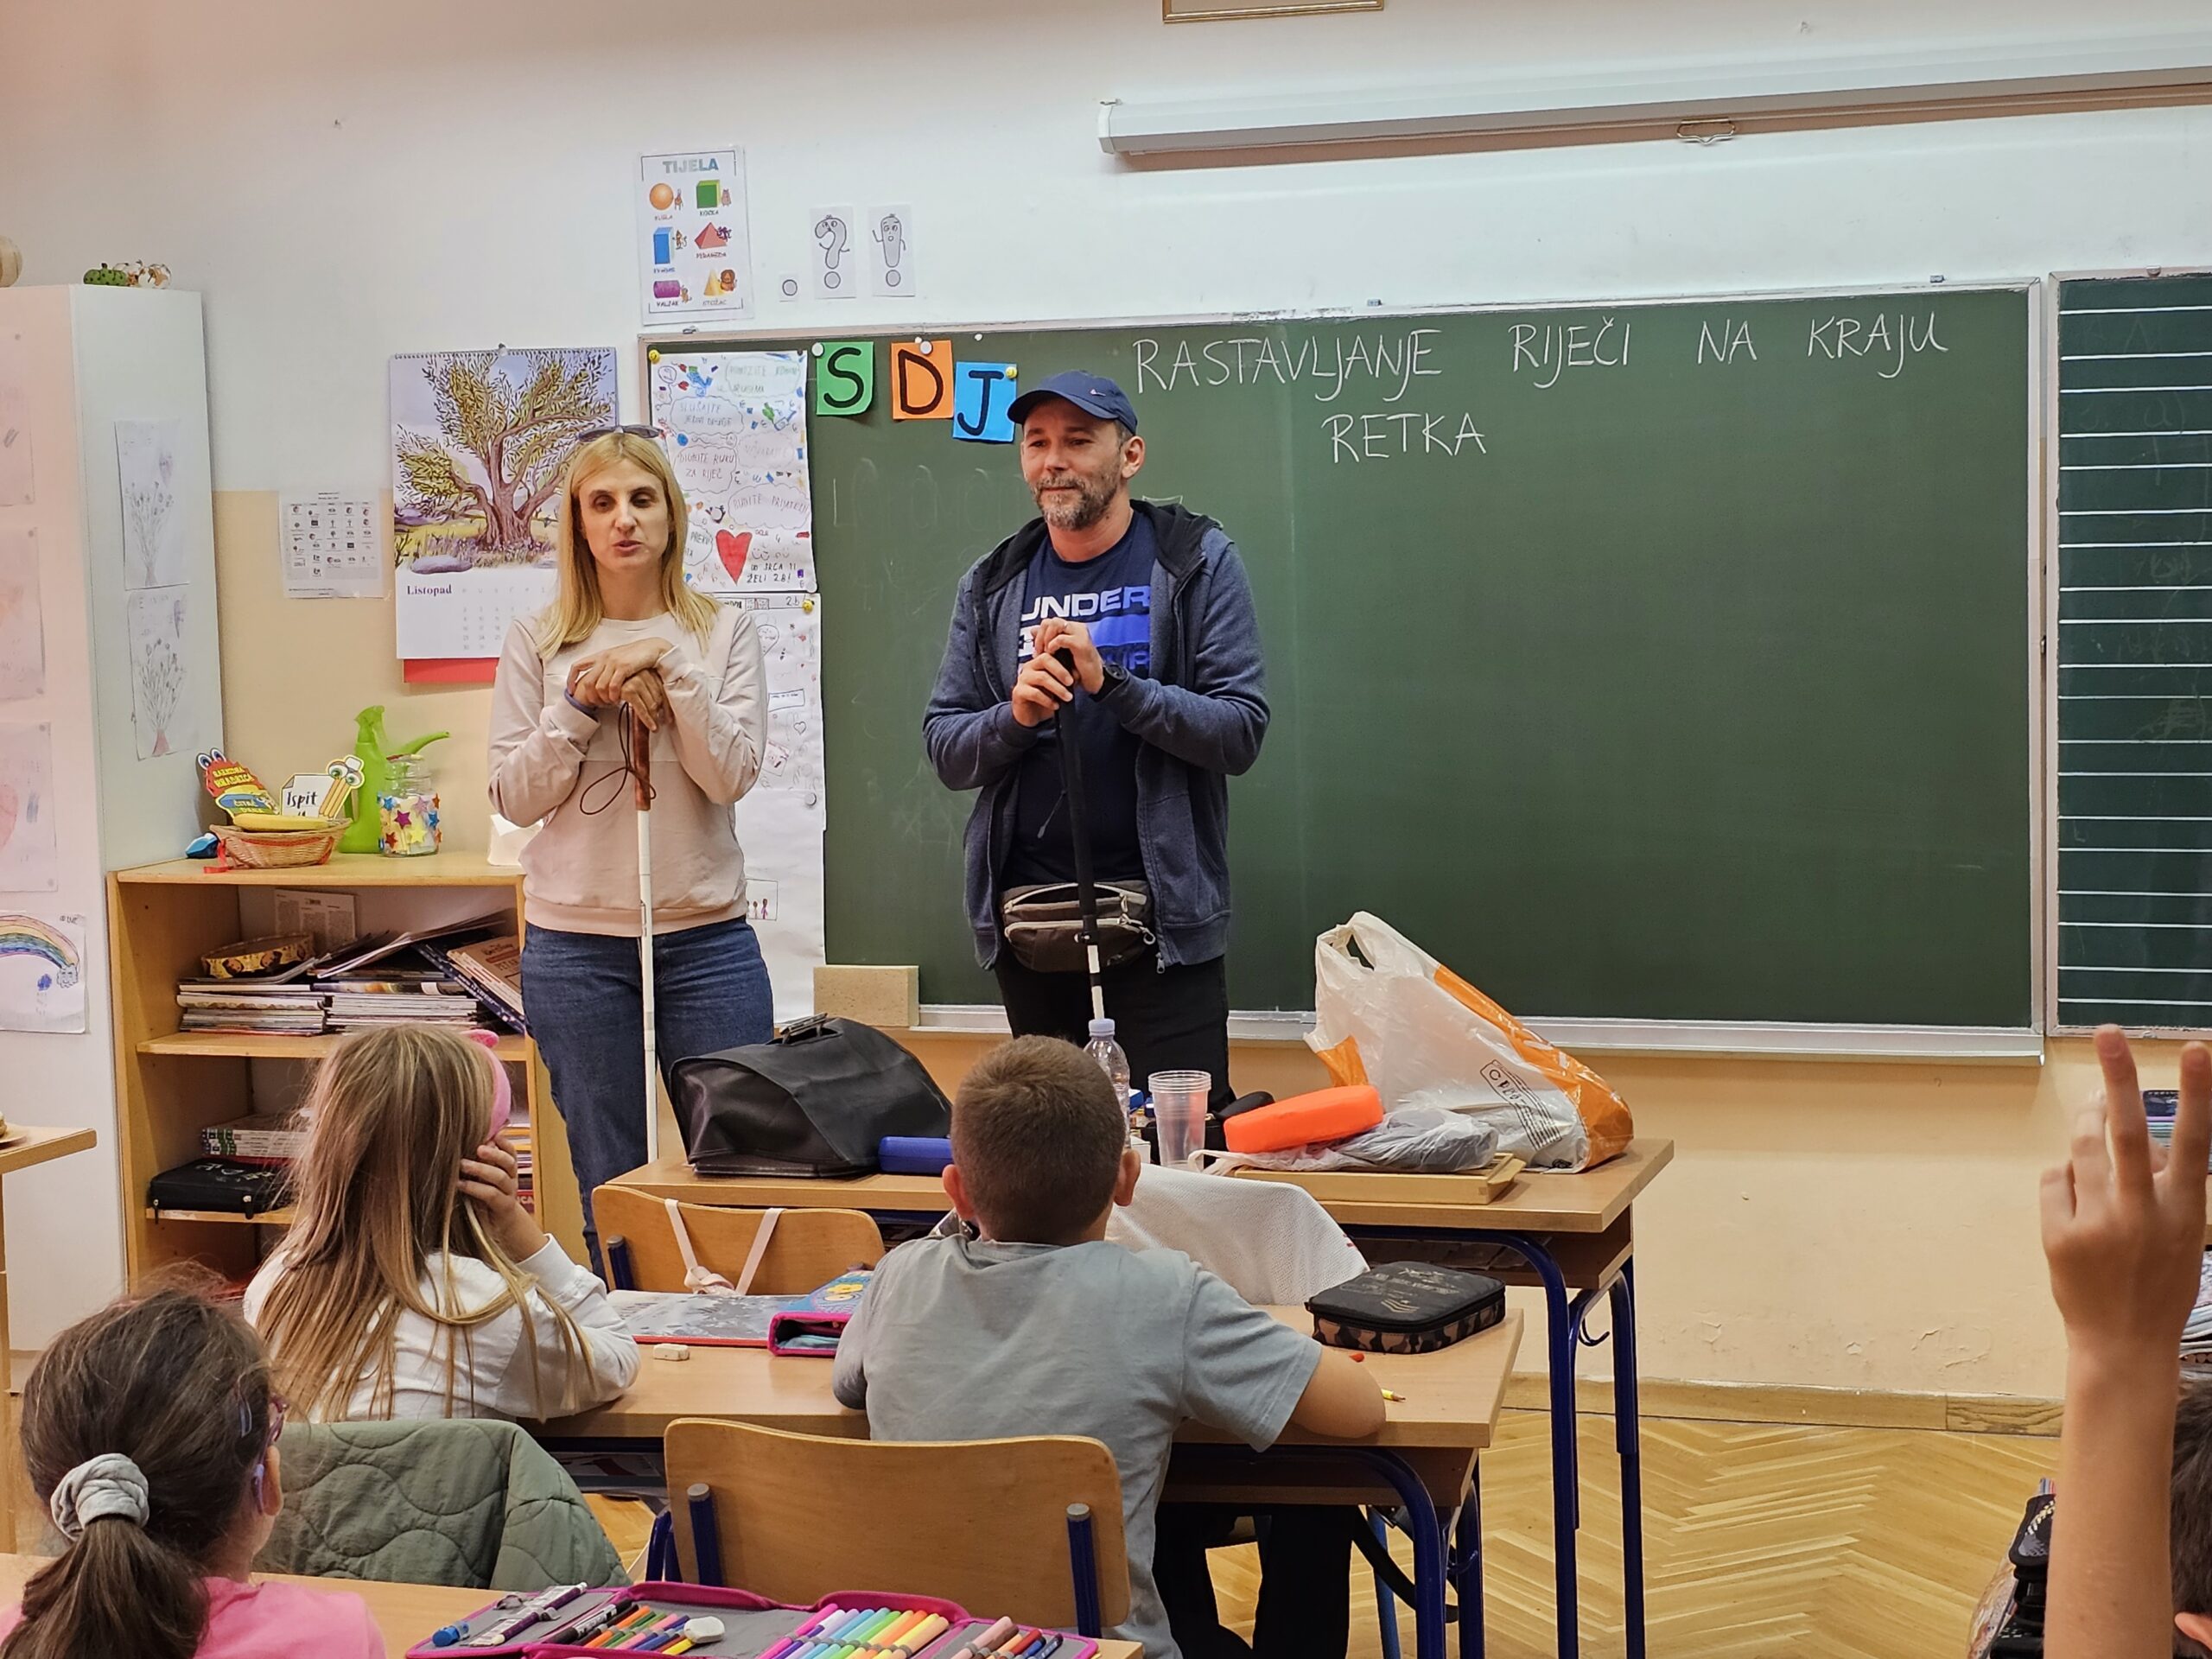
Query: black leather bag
x: 815, y: 1100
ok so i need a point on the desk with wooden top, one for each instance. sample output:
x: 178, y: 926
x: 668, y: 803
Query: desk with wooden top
x: 1572, y: 1234
x: 405, y: 1613
x: 24, y: 1147
x: 1424, y: 1458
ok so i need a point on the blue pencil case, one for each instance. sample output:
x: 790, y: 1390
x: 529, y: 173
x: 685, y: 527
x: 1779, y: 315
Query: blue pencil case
x: 913, y: 1155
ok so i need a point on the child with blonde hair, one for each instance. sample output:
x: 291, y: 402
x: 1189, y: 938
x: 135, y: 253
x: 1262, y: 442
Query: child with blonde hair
x: 413, y: 1282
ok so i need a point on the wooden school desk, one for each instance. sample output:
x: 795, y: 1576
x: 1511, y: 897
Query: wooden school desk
x: 1573, y: 1235
x: 406, y: 1614
x: 1423, y: 1460
x: 26, y: 1147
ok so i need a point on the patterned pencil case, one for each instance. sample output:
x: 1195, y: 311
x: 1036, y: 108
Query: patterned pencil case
x: 652, y: 1618
x: 1406, y: 1307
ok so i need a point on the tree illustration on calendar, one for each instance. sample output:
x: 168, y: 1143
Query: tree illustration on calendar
x: 480, y: 441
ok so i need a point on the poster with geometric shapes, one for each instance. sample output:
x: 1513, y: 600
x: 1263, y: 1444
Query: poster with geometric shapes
x: 695, y: 248
x: 41, y: 972
x: 735, y: 424
x: 781, y: 819
x: 480, y: 441
x: 26, y: 840
x: 22, y: 623
x: 153, y: 523
x: 161, y: 672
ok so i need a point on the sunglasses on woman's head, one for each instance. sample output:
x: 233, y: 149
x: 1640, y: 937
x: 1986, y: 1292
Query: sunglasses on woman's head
x: 653, y: 432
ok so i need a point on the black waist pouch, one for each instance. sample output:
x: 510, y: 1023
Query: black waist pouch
x: 222, y: 1185
x: 813, y: 1102
x: 1406, y: 1307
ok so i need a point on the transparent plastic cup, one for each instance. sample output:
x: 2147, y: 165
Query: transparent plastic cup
x: 1179, y: 1110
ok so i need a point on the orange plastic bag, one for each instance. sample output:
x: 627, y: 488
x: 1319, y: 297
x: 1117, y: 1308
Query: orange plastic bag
x: 1390, y: 1015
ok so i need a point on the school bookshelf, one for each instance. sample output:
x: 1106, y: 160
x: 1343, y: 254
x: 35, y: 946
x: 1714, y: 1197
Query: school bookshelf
x: 163, y: 918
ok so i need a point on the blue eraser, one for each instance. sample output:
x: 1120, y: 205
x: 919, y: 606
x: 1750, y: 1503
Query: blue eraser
x: 203, y: 846
x: 913, y: 1155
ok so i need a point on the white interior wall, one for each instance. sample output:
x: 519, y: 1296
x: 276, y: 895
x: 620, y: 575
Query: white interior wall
x: 346, y: 182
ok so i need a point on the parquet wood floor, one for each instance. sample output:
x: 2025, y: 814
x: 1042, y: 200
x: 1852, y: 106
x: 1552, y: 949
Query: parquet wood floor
x: 1761, y: 1541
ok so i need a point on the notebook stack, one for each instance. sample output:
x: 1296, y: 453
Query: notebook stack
x: 2159, y: 1106
x: 265, y: 1138
x: 2196, y: 1335
x: 401, y: 991
x: 492, y: 969
x: 286, y: 1007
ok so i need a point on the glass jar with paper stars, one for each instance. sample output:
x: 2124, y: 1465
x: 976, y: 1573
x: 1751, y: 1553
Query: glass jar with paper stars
x: 407, y: 809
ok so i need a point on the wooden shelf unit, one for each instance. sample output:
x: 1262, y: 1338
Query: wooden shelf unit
x: 163, y: 918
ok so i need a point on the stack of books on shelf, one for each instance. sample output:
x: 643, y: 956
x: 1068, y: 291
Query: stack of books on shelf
x: 269, y: 1138
x: 444, y: 975
x: 492, y: 969
x: 288, y: 1008
x: 398, y: 991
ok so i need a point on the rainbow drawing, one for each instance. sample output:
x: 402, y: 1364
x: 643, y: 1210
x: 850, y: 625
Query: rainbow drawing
x: 27, y: 935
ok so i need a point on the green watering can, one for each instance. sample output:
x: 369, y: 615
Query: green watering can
x: 375, y: 753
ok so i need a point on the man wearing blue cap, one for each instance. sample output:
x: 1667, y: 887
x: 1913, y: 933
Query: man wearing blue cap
x: 1166, y: 698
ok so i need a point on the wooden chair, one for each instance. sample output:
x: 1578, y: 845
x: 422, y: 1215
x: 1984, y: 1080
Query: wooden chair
x: 991, y: 1524
x: 809, y: 1247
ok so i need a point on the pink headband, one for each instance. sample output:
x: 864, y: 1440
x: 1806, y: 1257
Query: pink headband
x: 503, y: 1098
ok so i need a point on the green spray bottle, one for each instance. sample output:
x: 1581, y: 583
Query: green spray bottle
x: 374, y: 751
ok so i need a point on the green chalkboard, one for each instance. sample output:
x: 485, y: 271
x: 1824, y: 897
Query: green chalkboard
x: 1666, y: 662
x: 2135, y: 653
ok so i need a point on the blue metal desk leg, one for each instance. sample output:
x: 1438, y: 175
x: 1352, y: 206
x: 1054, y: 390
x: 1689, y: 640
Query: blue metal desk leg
x: 1629, y: 1437
x: 1566, y: 1480
x: 1386, y: 1601
x: 1467, y: 1568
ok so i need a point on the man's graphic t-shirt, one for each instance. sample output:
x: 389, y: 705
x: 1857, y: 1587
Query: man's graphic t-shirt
x: 1112, y: 596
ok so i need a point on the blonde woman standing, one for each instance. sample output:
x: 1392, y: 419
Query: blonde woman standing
x: 625, y: 632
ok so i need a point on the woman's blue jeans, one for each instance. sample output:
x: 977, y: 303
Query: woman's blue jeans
x: 581, y: 995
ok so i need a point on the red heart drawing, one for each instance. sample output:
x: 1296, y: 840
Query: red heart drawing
x: 733, y: 549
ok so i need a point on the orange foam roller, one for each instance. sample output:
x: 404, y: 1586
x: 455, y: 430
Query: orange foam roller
x: 1324, y: 1115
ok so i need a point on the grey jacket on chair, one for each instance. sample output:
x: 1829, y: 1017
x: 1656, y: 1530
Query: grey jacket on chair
x: 470, y: 1501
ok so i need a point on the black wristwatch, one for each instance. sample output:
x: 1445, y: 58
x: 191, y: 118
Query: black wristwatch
x: 1112, y: 677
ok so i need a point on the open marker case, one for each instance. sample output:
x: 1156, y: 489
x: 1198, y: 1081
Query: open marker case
x: 752, y: 1624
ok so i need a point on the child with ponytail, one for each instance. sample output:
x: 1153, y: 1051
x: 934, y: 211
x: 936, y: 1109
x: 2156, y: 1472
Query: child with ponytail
x: 150, y: 1430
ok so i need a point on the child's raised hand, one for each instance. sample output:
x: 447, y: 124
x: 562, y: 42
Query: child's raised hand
x: 492, y: 1181
x: 2123, y: 1227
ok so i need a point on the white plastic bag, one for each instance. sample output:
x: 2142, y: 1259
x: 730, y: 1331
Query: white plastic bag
x: 1390, y: 1015
x: 1422, y: 1139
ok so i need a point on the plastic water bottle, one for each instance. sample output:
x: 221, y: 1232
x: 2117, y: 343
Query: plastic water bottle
x: 1107, y: 1052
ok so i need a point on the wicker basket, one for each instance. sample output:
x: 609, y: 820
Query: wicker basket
x: 277, y: 849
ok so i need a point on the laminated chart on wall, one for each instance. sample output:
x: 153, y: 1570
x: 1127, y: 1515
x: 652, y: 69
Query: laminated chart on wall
x: 735, y: 427
x: 781, y: 820
x: 479, y: 440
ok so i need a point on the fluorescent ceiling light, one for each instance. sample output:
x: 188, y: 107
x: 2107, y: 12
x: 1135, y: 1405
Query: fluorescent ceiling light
x: 1713, y: 101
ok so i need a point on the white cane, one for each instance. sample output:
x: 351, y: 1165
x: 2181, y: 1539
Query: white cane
x: 642, y: 791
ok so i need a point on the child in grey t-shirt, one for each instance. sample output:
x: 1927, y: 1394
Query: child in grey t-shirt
x: 1041, y: 1327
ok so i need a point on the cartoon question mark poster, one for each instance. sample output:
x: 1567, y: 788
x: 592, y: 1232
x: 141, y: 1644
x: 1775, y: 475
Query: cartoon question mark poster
x: 835, y: 257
